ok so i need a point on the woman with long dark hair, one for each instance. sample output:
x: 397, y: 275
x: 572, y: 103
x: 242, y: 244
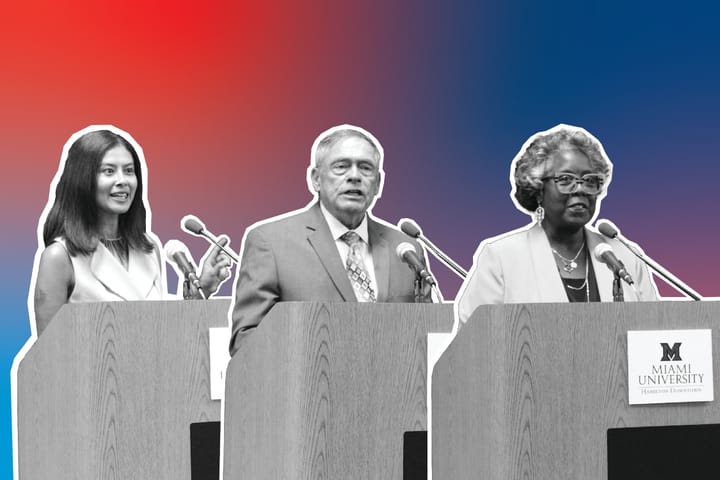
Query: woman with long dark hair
x: 96, y: 238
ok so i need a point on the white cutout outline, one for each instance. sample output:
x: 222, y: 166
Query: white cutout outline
x: 36, y: 261
x: 315, y: 199
x: 513, y: 190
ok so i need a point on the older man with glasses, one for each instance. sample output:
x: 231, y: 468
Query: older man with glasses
x: 332, y: 250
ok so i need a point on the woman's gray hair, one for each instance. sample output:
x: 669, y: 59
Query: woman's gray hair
x: 532, y: 163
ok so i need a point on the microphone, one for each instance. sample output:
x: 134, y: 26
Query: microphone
x: 192, y: 224
x: 609, y: 230
x: 178, y: 252
x: 410, y: 228
x: 604, y: 253
x: 406, y: 252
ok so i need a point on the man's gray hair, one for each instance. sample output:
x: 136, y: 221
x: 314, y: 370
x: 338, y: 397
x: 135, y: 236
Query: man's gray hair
x: 326, y: 140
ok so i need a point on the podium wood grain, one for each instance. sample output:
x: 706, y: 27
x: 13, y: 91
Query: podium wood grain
x: 326, y: 391
x: 529, y: 391
x: 109, y: 390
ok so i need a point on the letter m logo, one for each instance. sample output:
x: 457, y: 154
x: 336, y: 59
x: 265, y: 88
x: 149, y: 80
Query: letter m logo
x: 671, y: 354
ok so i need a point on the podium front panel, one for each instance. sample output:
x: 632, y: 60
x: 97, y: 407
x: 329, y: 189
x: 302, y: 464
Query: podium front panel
x: 328, y: 390
x: 109, y: 390
x: 530, y: 391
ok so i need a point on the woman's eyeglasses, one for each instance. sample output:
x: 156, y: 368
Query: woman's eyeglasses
x: 568, y: 183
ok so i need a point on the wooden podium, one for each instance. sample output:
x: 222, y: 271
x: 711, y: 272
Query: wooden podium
x: 529, y: 391
x: 327, y: 390
x: 109, y: 390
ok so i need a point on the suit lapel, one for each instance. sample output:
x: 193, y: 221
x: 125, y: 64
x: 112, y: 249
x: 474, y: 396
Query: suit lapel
x: 324, y: 245
x: 132, y: 284
x: 145, y: 272
x: 549, y: 290
x: 603, y: 276
x: 381, y: 259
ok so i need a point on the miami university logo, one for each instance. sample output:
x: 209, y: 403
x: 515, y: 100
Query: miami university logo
x: 671, y: 354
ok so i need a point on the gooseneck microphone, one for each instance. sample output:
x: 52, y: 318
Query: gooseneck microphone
x: 604, y: 253
x: 192, y: 224
x: 406, y: 252
x: 609, y: 230
x: 179, y: 254
x: 410, y: 228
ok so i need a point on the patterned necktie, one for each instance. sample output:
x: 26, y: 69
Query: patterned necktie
x: 355, y: 266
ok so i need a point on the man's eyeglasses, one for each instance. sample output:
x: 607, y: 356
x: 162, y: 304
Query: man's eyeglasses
x: 568, y: 183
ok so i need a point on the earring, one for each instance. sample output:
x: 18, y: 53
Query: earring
x: 539, y: 213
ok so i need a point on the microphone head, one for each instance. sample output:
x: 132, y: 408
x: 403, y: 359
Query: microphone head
x: 173, y: 247
x: 403, y: 248
x: 410, y: 228
x: 600, y: 250
x: 607, y: 229
x: 192, y: 224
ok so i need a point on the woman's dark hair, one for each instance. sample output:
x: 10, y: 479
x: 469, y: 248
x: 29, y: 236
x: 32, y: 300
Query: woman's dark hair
x: 532, y: 163
x: 74, y: 215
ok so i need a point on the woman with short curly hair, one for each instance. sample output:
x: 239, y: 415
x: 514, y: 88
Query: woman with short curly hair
x: 560, y: 176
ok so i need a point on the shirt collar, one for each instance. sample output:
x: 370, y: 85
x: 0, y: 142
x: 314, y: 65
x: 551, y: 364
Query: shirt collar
x: 337, y: 229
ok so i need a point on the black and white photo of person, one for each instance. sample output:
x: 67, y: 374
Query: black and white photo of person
x: 332, y: 250
x: 560, y: 176
x: 94, y: 237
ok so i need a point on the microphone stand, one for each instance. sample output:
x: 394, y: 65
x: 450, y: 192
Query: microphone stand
x: 187, y: 289
x: 618, y: 295
x: 193, y: 225
x: 419, y: 283
x: 411, y: 229
x: 665, y: 274
x: 213, y: 239
x: 443, y: 258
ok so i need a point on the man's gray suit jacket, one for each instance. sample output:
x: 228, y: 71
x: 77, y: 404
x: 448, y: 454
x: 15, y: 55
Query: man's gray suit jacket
x: 295, y: 258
